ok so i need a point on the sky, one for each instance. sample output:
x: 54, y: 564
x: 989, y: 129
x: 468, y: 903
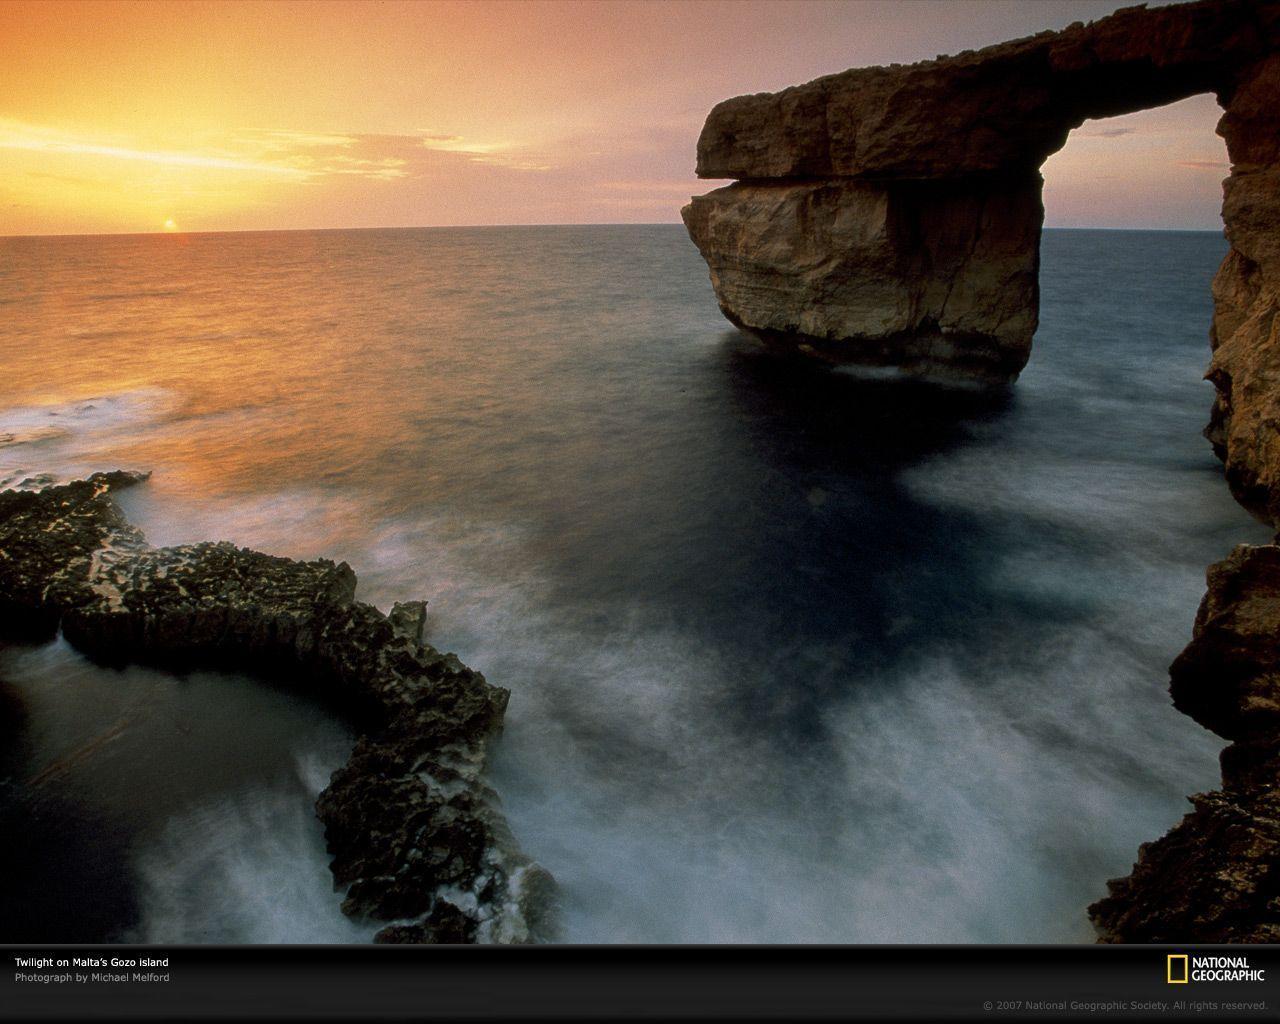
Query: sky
x: 122, y: 117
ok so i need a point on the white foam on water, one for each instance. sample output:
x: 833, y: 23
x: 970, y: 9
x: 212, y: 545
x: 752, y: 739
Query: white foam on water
x: 1121, y: 500
x: 993, y: 806
x: 988, y: 804
x: 949, y: 803
x: 248, y: 868
x: 298, y: 523
x: 69, y: 439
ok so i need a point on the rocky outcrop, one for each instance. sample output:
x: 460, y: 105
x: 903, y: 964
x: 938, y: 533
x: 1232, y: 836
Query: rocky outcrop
x: 1216, y: 876
x: 414, y: 831
x: 931, y: 278
x: 891, y: 216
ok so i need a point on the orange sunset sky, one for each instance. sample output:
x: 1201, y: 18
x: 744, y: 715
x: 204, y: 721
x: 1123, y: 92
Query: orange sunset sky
x: 230, y: 116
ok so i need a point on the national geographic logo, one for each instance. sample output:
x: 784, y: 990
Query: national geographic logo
x: 1182, y: 968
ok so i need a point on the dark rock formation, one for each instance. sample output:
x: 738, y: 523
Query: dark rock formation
x: 890, y: 216
x: 51, y: 535
x: 1211, y: 879
x: 414, y: 832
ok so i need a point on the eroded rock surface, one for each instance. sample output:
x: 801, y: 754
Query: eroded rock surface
x: 414, y: 831
x: 933, y: 278
x: 1246, y: 291
x: 891, y: 216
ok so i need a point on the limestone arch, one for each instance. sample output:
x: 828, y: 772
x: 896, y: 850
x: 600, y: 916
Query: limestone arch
x: 891, y: 216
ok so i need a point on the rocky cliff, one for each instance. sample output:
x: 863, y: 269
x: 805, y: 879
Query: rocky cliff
x: 416, y: 838
x: 890, y: 216
x: 1216, y: 876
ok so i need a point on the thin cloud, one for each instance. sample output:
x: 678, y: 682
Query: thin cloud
x: 511, y: 155
x: 306, y: 139
x: 305, y: 156
x: 1205, y: 165
x: 321, y: 154
x: 16, y: 135
x: 387, y: 155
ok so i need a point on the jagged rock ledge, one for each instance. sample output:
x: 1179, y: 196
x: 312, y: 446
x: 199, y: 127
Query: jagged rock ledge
x: 414, y: 832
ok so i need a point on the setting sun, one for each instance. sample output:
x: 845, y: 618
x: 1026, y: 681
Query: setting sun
x: 171, y: 225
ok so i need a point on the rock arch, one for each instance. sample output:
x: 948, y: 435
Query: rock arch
x: 891, y: 216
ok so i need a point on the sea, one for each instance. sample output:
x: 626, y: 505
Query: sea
x: 794, y: 655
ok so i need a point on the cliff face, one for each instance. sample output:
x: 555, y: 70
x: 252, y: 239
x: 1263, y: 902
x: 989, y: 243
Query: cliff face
x: 1246, y: 291
x: 416, y: 838
x: 891, y: 216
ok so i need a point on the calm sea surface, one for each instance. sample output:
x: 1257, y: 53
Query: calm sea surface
x: 793, y: 656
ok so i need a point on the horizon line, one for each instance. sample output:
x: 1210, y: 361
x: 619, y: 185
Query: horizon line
x: 475, y: 227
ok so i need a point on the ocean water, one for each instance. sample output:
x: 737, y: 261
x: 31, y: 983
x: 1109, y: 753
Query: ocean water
x: 794, y: 656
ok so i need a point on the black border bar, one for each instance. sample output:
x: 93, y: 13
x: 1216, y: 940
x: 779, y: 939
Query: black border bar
x: 439, y: 983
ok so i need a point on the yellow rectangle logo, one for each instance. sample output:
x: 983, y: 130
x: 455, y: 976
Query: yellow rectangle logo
x: 1177, y: 971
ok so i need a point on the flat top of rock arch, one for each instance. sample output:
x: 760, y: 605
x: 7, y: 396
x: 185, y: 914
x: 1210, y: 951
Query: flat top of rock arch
x: 1003, y: 108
